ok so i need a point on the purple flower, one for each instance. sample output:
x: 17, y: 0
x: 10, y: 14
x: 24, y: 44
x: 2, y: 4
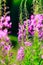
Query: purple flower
x: 20, y: 37
x: 28, y: 43
x: 7, y: 18
x: 2, y: 18
x: 20, y: 54
x: 32, y: 16
x: 36, y: 24
x: 7, y: 39
x: 7, y: 48
x: 1, y: 25
x: 4, y: 22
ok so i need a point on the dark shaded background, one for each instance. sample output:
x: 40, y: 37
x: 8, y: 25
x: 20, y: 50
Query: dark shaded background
x: 14, y: 13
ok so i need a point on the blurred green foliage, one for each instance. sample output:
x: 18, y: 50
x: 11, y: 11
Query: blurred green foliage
x: 19, y: 1
x: 15, y: 12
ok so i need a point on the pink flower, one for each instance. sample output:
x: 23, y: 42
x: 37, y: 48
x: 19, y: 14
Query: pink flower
x: 5, y: 23
x: 28, y: 43
x: 20, y: 54
x: 7, y: 39
x: 1, y: 25
x: 20, y: 37
x: 5, y: 31
x: 2, y: 18
x: 7, y: 48
x: 24, y: 23
x: 7, y: 18
x: 31, y: 30
x: 2, y: 34
x: 32, y: 16
x: 42, y: 56
x: 2, y: 43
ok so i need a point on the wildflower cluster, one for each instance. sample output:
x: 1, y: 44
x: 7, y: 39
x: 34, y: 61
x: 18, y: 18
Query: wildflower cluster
x: 33, y: 48
x: 34, y: 23
x: 5, y: 43
x: 4, y: 39
x: 5, y: 22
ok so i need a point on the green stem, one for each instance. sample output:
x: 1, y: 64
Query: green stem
x: 20, y: 18
x: 0, y: 8
x: 25, y: 10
